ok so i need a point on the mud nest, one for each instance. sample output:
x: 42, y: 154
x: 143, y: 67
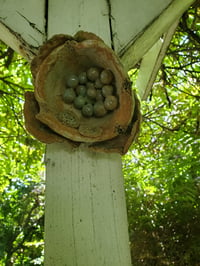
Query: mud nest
x: 82, y: 95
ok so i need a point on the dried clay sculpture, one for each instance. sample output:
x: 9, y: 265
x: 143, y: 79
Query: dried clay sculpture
x: 82, y: 95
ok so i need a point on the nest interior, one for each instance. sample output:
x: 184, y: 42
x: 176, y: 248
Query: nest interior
x: 73, y: 58
x: 82, y: 95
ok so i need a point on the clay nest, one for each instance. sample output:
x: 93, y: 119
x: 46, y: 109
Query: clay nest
x: 82, y: 95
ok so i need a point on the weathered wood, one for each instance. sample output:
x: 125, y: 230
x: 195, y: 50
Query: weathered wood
x: 32, y: 14
x: 130, y: 18
x: 22, y: 25
x: 132, y: 54
x: 151, y: 62
x: 85, y: 212
x: 85, y: 218
x: 78, y: 15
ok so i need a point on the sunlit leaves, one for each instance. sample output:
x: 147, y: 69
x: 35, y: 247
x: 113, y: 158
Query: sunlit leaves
x: 21, y: 169
x: 162, y: 174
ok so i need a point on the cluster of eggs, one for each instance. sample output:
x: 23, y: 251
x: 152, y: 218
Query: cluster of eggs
x: 92, y: 92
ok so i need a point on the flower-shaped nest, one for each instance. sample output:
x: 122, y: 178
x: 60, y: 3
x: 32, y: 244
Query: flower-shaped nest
x: 82, y: 95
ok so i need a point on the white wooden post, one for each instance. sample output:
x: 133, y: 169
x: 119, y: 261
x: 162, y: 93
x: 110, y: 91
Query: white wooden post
x: 85, y: 217
x: 85, y: 211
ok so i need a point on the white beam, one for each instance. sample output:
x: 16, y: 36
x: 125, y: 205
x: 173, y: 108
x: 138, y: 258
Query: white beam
x: 151, y: 63
x: 136, y: 50
x: 130, y: 18
x: 22, y: 25
x: 15, y: 41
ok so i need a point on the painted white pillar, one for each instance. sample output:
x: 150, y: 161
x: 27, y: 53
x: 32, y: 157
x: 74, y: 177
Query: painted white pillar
x: 85, y: 211
x: 85, y: 217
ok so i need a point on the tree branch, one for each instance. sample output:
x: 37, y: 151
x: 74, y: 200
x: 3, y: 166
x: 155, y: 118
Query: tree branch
x: 183, y: 25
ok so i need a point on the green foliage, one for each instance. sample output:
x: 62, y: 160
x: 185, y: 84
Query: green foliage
x: 21, y: 232
x: 162, y: 179
x: 162, y: 175
x: 21, y: 169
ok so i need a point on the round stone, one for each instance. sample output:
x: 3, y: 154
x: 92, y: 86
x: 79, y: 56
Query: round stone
x: 90, y: 85
x: 69, y: 95
x: 81, y: 90
x: 110, y: 102
x: 82, y: 78
x: 87, y: 110
x: 106, y: 76
x: 107, y: 90
x: 99, y: 109
x: 98, y: 84
x: 93, y: 73
x: 79, y: 101
x: 72, y: 81
x: 99, y: 95
x: 91, y: 93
